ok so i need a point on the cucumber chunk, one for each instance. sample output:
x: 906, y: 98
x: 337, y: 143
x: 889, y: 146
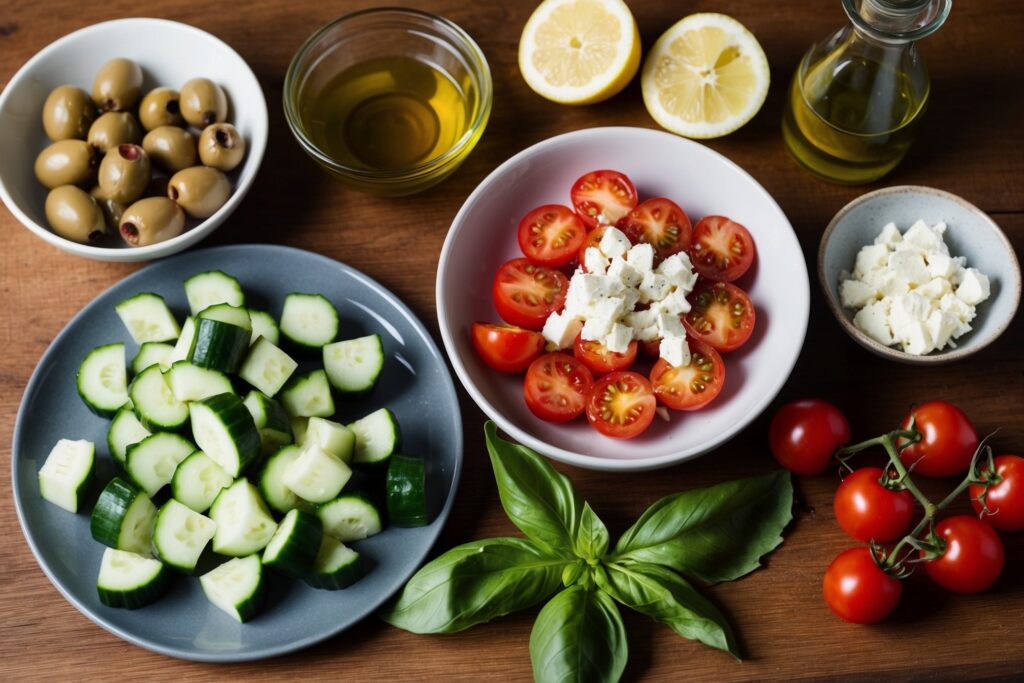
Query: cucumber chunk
x: 237, y: 587
x: 180, y: 534
x: 67, y: 475
x: 271, y: 481
x: 351, y: 517
x: 264, y: 325
x: 299, y: 427
x: 308, y: 395
x: 267, y: 367
x: 225, y: 431
x: 336, y: 566
x: 154, y: 402
x: 197, y: 481
x: 377, y: 439
x: 102, y: 380
x: 316, y: 475
x: 336, y: 439
x: 184, y: 343
x: 152, y: 353
x: 123, y: 517
x: 125, y: 429
x: 190, y: 382
x: 147, y: 318
x: 226, y: 313
x: 404, y: 486
x: 309, y: 320
x: 219, y: 345
x: 129, y: 580
x: 295, y: 544
x: 211, y: 288
x: 244, y: 524
x: 271, y: 420
x: 151, y: 462
x: 353, y: 366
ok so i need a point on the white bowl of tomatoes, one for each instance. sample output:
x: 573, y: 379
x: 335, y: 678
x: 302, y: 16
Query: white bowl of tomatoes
x: 592, y: 394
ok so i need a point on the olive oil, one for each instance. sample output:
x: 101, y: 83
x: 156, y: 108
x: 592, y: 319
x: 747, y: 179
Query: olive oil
x: 386, y: 114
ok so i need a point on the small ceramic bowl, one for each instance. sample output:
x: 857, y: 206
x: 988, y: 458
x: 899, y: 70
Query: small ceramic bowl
x: 970, y: 233
x: 169, y: 53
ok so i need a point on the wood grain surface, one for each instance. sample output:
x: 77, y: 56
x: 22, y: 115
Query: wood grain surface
x: 970, y: 143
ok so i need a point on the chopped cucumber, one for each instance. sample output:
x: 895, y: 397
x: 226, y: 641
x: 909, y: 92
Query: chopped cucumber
x: 211, y: 288
x: 295, y: 544
x: 147, y: 318
x: 219, y: 345
x: 336, y: 566
x: 129, y: 580
x: 271, y: 420
x: 225, y: 431
x: 353, y: 366
x: 309, y: 320
x: 350, y: 517
x: 102, y: 380
x: 264, y: 325
x: 271, y: 481
x: 154, y: 402
x: 226, y: 313
x: 405, y: 484
x: 299, y: 427
x: 267, y: 367
x: 152, y: 353
x: 308, y: 395
x: 180, y: 534
x: 151, y: 462
x: 184, y: 343
x: 336, y: 439
x: 316, y: 475
x: 67, y: 475
x: 197, y: 481
x: 192, y: 383
x: 376, y: 439
x: 125, y: 429
x: 123, y: 517
x: 244, y: 524
x: 236, y: 587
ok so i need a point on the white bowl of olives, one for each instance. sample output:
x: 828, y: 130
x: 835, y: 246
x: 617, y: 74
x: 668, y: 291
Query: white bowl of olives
x: 131, y: 139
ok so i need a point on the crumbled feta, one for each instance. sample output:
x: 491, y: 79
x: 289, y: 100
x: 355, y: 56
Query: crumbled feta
x: 626, y: 274
x: 872, y: 320
x: 596, y: 329
x: 889, y: 236
x: 618, y: 339
x: 674, y: 303
x: 871, y: 257
x: 910, y: 266
x: 856, y: 294
x: 594, y: 261
x: 654, y: 287
x: 974, y: 287
x: 678, y: 270
x: 670, y: 326
x: 560, y: 330
x: 675, y: 351
x: 614, y: 243
x: 641, y: 257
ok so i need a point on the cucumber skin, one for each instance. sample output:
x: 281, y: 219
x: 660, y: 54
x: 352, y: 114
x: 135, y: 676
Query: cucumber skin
x: 137, y: 597
x: 238, y: 421
x: 352, y: 394
x: 113, y: 503
x: 251, y: 606
x: 156, y: 544
x: 406, y: 495
x: 296, y: 558
x: 152, y: 426
x: 264, y: 485
x: 175, y: 486
x: 219, y: 345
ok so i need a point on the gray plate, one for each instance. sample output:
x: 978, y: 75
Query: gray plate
x: 415, y: 384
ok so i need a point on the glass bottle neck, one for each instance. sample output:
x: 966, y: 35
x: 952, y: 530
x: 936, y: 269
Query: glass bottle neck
x: 897, y: 21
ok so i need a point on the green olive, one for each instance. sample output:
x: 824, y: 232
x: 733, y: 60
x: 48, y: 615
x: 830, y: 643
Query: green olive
x: 221, y: 146
x: 199, y: 190
x: 124, y: 173
x: 160, y: 108
x: 67, y: 113
x: 74, y: 214
x: 111, y: 210
x: 171, y: 148
x: 118, y: 85
x: 203, y: 102
x: 114, y: 128
x: 151, y: 220
x: 66, y: 162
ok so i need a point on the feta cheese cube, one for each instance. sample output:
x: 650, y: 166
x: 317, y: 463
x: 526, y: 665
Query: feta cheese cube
x: 594, y: 261
x: 941, y: 326
x: 560, y: 330
x: 618, y: 339
x: 630, y: 297
x: 890, y: 235
x: 654, y: 287
x: 596, y: 329
x: 872, y: 320
x: 910, y: 266
x: 962, y: 311
x: 609, y: 308
x: 974, y: 287
x: 626, y: 274
x: 935, y: 289
x: 856, y: 294
x: 641, y: 319
x: 891, y: 284
x: 906, y: 320
x: 674, y: 303
x: 678, y: 270
x: 670, y: 326
x: 641, y: 257
x: 675, y: 351
x: 916, y: 340
x: 942, y: 265
x: 649, y: 333
x: 869, y: 258
x: 928, y: 240
x: 614, y: 243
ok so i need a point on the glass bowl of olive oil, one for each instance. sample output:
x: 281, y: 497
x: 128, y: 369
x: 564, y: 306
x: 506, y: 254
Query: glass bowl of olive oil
x: 388, y: 100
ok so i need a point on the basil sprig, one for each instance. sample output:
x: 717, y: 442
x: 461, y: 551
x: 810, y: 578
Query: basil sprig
x: 714, y: 534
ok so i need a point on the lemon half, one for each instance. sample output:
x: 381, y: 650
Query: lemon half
x: 579, y: 51
x: 705, y: 77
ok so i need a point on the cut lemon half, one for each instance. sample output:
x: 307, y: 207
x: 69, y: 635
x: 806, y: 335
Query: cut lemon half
x: 579, y: 51
x: 705, y: 77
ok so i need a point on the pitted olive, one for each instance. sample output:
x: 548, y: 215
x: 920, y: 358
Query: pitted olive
x: 160, y: 107
x: 118, y: 85
x: 114, y: 128
x: 170, y: 148
x: 203, y: 102
x: 151, y: 220
x: 74, y: 214
x: 67, y: 113
x: 124, y: 173
x: 66, y: 162
x: 199, y: 190
x: 111, y: 210
x: 221, y: 146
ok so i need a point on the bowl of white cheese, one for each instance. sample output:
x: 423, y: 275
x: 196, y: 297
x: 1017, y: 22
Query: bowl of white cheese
x: 918, y: 275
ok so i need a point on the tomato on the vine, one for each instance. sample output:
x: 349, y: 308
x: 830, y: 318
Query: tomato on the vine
x: 804, y: 434
x: 1004, y: 499
x: 948, y: 440
x: 526, y: 294
x: 556, y: 387
x: 551, y: 235
x: 867, y: 510
x: 857, y: 590
x: 973, y: 556
x: 621, y: 405
x: 506, y: 348
x: 603, y: 197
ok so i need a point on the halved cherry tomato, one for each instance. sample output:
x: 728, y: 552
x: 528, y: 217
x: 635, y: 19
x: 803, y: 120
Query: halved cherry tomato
x: 947, y: 444
x: 551, y: 235
x: 662, y: 224
x: 621, y: 405
x: 651, y: 349
x: 525, y: 294
x: 1004, y: 498
x: 973, y: 557
x: 506, y: 348
x: 721, y: 315
x: 869, y: 511
x: 601, y: 197
x: 693, y: 386
x: 599, y: 359
x: 593, y: 239
x: 857, y: 590
x: 556, y: 387
x: 721, y: 249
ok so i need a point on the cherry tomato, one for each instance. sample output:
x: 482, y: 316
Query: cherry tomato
x: 603, y: 197
x: 621, y: 405
x: 693, y: 386
x: 661, y: 223
x: 599, y: 359
x: 525, y: 294
x: 973, y: 558
x: 651, y: 349
x: 857, y: 590
x: 867, y: 510
x: 804, y: 434
x: 721, y: 249
x: 1004, y: 500
x: 593, y: 239
x: 551, y: 235
x: 948, y: 440
x: 556, y: 387
x: 721, y: 315
x: 505, y: 348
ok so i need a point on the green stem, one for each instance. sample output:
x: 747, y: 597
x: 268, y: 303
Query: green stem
x: 905, y: 480
x: 910, y: 435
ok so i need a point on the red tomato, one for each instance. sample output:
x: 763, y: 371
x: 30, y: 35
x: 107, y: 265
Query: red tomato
x: 556, y: 387
x: 651, y: 348
x: 804, y: 434
x: 973, y: 558
x: 721, y: 249
x: 551, y: 235
x: 857, y: 590
x: 506, y: 348
x: 661, y: 223
x: 599, y: 359
x: 948, y: 440
x: 1004, y: 501
x: 621, y: 405
x: 601, y: 197
x: 867, y: 510
x: 693, y: 386
x: 525, y: 294
x: 721, y: 315
x: 593, y: 239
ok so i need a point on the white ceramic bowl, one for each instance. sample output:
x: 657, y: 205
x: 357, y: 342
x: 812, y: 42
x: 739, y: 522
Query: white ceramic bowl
x: 169, y: 53
x: 700, y: 180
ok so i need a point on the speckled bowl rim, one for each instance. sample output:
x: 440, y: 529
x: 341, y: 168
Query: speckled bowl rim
x: 1012, y: 289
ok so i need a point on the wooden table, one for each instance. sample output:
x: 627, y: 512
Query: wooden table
x: 970, y: 143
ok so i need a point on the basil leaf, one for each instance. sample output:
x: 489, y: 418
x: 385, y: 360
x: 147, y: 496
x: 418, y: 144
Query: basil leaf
x: 664, y: 595
x: 578, y: 636
x: 713, y: 534
x: 592, y: 536
x: 538, y: 500
x: 474, y: 583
